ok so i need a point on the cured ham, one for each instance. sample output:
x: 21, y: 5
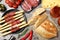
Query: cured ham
x: 10, y: 14
x: 14, y: 29
x: 8, y: 19
x: 28, y: 5
x: 34, y: 3
x: 16, y: 22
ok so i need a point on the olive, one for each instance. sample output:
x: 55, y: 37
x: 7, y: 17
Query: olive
x: 2, y: 7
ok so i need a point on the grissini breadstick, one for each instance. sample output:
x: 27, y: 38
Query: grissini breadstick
x: 12, y: 20
x: 22, y: 19
x: 24, y: 22
x: 18, y: 12
x: 6, y: 33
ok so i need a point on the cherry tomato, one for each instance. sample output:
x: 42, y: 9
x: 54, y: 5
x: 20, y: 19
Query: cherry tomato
x: 17, y: 2
x: 13, y: 3
x: 20, y: 0
x: 10, y: 4
x: 15, y: 6
x: 7, y: 1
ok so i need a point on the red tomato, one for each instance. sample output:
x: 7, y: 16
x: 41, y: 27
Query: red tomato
x: 13, y: 3
x: 20, y: 0
x: 7, y: 1
x: 17, y: 2
x: 55, y: 12
x: 10, y: 4
x: 15, y: 6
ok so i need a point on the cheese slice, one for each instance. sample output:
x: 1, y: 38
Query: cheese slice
x: 50, y: 3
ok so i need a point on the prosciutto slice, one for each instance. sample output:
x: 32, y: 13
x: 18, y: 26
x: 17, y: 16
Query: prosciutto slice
x: 33, y: 3
x: 26, y: 6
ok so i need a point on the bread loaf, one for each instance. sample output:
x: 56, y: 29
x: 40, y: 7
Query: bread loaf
x: 47, y: 29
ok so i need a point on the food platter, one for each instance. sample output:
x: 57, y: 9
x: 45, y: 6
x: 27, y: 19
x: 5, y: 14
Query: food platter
x: 28, y: 16
x: 11, y: 11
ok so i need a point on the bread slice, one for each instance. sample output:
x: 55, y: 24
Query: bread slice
x: 41, y: 19
x: 33, y: 20
x: 47, y: 29
x: 36, y: 15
